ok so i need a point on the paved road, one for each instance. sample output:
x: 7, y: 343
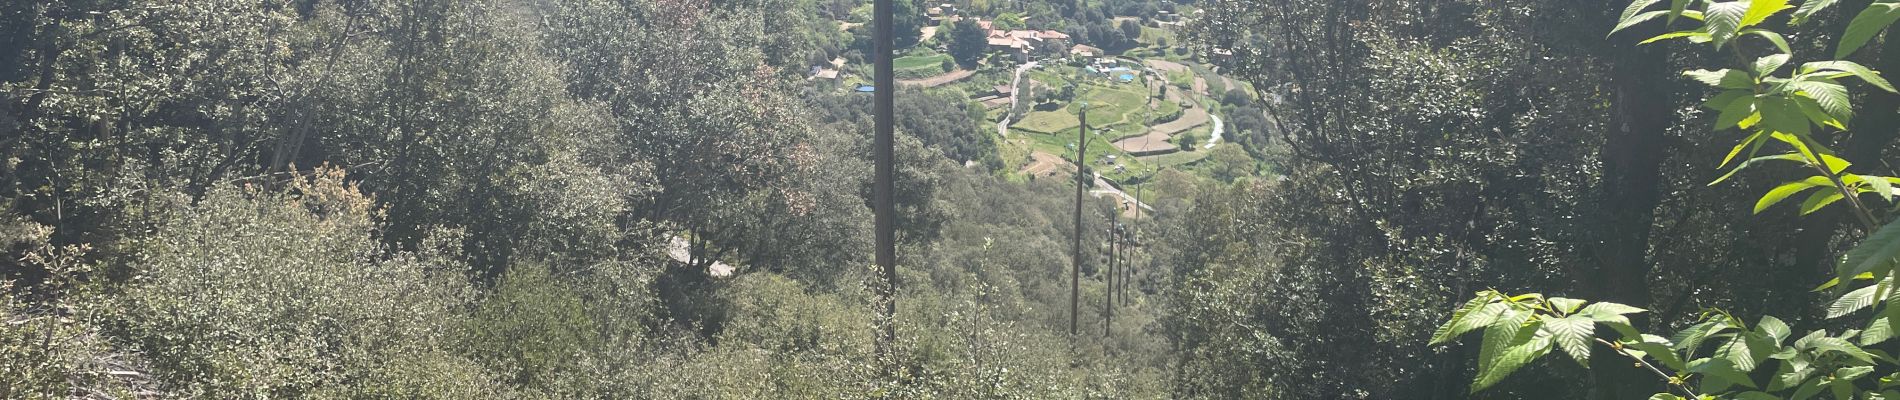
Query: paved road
x: 1218, y: 128
x: 1103, y: 188
x: 1015, y: 86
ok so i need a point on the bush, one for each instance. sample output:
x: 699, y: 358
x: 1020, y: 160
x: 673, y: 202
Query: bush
x: 530, y: 328
x: 254, y: 293
x: 52, y: 347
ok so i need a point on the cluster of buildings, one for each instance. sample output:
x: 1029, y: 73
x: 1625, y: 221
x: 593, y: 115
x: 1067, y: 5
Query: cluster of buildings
x: 1017, y: 43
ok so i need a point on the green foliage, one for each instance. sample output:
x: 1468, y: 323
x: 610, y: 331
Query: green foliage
x: 968, y: 42
x: 1868, y: 23
x: 1785, y: 108
x: 1518, y: 329
x: 530, y: 328
x: 253, y: 293
x: 1790, y: 110
x: 49, y: 356
x: 516, y: 173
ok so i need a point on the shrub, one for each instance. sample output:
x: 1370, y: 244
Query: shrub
x: 254, y: 293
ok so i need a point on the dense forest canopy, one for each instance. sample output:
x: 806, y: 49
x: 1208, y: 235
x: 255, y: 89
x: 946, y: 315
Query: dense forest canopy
x: 1387, y: 199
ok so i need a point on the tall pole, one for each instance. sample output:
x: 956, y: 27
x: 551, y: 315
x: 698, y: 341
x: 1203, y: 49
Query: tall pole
x: 883, y: 189
x: 1081, y: 166
x: 1108, y: 307
x: 1121, y: 261
x: 1133, y: 239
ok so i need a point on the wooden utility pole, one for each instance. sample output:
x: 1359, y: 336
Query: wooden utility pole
x: 1081, y: 169
x: 882, y: 189
x: 1108, y: 307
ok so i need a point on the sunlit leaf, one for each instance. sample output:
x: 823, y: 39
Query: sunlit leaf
x: 1819, y: 200
x: 1782, y: 192
x: 1880, y: 186
x: 1851, y: 68
x: 1760, y: 10
x: 1637, y: 19
x: 1513, y: 357
x: 1874, y: 255
x: 1752, y: 161
x: 1724, y: 19
x: 1831, y: 96
x: 1573, y: 335
x: 1815, y: 114
x: 1855, y: 300
x: 1780, y: 43
x: 1456, y: 325
x: 1566, y: 305
x: 1673, y: 35
x: 1807, y: 10
x: 1769, y: 63
x: 1865, y: 25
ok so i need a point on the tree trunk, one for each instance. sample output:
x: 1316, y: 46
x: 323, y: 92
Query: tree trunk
x: 1618, y: 264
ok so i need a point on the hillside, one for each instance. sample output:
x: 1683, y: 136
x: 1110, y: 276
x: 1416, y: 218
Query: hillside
x: 1119, y: 199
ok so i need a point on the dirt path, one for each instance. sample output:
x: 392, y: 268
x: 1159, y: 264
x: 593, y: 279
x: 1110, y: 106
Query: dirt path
x: 1048, y: 165
x: 1045, y: 165
x: 938, y: 80
x: 1126, y: 205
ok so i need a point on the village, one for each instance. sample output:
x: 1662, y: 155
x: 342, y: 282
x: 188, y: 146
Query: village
x: 1151, y: 106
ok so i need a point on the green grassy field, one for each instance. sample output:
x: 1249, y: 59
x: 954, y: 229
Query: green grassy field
x: 1183, y: 80
x: 1167, y: 107
x: 1113, y: 105
x: 920, y: 61
x: 1152, y: 35
x: 1047, y: 122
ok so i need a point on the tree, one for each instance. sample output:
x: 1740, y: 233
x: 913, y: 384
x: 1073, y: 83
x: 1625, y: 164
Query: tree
x: 1131, y: 30
x: 1230, y: 163
x: 907, y: 24
x: 1236, y: 97
x: 1008, y: 21
x: 968, y: 42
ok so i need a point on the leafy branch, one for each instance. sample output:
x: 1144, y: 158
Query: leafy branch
x: 1715, y: 357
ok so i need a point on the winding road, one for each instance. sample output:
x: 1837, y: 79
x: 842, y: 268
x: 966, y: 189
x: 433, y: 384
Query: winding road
x: 1015, y: 83
x: 1218, y: 128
